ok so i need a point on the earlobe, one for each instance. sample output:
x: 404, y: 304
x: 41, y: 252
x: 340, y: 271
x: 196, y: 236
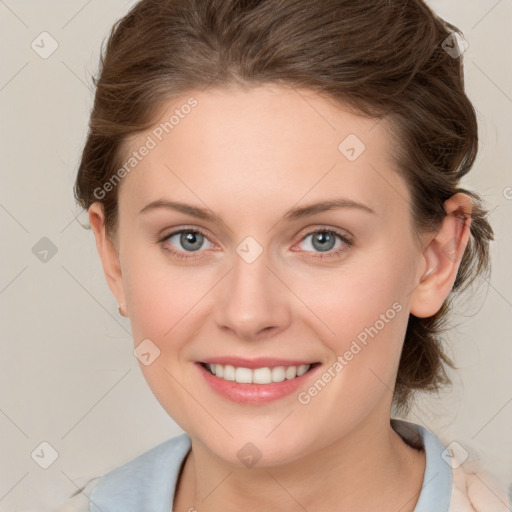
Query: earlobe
x: 442, y: 256
x: 107, y: 251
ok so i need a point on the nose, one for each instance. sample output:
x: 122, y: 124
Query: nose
x: 253, y: 302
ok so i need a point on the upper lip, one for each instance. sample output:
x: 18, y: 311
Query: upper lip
x: 258, y: 362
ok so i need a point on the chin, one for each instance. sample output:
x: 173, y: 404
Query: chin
x: 256, y: 448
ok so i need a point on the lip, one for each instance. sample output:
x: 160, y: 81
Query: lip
x: 258, y: 362
x: 255, y: 394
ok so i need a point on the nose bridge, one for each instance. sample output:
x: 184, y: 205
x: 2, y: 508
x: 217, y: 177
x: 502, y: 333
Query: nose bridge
x: 252, y: 299
x: 251, y: 273
x: 251, y: 278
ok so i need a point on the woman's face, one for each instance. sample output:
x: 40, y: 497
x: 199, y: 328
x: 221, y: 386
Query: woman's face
x: 267, y: 280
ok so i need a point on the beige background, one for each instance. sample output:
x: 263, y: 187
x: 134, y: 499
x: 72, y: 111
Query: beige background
x: 67, y: 373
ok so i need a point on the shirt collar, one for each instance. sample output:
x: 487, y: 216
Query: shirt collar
x: 150, y: 480
x: 437, y: 482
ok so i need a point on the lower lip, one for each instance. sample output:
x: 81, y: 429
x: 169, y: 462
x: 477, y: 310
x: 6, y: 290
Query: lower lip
x: 254, y: 393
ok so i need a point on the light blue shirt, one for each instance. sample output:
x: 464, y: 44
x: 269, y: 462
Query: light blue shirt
x: 147, y: 483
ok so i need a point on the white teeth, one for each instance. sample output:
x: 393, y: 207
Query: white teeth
x: 278, y: 374
x: 262, y: 376
x: 258, y: 375
x: 291, y: 372
x: 243, y: 375
x: 301, y: 370
x: 229, y: 372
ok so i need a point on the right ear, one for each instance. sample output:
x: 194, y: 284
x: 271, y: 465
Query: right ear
x: 108, y: 252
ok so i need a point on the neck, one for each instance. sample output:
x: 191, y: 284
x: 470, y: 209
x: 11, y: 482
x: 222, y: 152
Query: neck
x: 369, y: 469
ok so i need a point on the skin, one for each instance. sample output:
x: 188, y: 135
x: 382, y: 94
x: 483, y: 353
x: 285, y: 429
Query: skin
x: 249, y: 156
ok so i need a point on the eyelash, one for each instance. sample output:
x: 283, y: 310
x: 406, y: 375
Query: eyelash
x: 180, y: 254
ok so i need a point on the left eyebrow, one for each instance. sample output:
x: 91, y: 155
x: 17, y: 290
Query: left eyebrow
x: 291, y: 215
x: 312, y: 209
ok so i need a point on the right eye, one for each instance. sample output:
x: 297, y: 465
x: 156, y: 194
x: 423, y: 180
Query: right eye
x: 190, y: 239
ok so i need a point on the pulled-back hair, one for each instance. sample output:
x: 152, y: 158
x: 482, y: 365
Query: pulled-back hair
x: 383, y: 58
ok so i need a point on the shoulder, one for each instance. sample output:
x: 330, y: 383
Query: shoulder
x: 149, y: 464
x: 79, y: 502
x: 455, y: 480
x: 149, y: 476
x: 477, y: 491
x: 474, y: 486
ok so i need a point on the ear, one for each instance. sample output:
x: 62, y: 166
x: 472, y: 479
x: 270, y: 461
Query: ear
x: 442, y: 257
x: 108, y: 252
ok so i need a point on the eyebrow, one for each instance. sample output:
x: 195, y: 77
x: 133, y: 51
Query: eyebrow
x: 292, y: 214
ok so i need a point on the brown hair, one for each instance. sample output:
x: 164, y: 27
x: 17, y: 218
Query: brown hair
x: 383, y: 58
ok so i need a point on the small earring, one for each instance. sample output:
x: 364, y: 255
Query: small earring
x: 121, y: 312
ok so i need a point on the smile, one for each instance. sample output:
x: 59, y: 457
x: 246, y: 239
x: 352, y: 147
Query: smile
x: 256, y: 381
x: 265, y: 375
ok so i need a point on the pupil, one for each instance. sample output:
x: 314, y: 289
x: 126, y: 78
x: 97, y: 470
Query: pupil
x: 190, y: 238
x: 324, y: 239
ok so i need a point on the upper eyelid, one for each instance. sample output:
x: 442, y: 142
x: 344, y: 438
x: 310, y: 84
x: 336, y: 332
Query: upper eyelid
x: 308, y: 231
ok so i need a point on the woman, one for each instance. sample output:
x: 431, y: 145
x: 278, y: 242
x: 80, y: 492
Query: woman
x: 274, y: 191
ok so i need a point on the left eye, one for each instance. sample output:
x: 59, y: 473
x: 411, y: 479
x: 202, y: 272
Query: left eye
x: 325, y: 240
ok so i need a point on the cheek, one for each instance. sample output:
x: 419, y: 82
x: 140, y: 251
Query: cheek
x: 352, y: 298
x: 159, y: 295
x: 160, y: 299
x: 369, y: 327
x: 362, y: 314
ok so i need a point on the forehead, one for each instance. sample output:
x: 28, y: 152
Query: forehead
x: 258, y: 142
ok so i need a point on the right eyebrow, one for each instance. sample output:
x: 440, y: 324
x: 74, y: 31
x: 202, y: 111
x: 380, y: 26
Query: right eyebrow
x: 188, y: 209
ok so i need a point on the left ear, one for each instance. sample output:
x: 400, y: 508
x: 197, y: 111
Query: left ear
x: 442, y: 257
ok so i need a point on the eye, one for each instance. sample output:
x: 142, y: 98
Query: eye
x: 191, y: 240
x: 324, y: 241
